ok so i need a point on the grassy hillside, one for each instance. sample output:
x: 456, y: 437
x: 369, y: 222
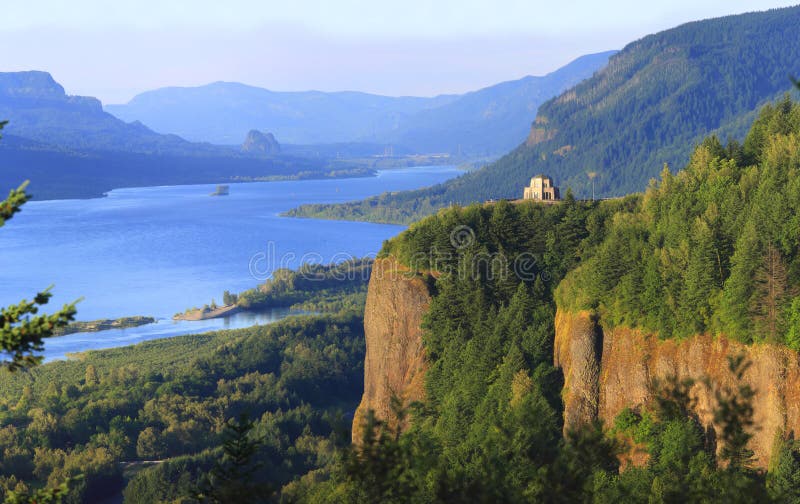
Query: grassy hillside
x: 655, y: 100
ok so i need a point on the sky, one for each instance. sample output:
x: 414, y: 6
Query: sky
x: 116, y: 49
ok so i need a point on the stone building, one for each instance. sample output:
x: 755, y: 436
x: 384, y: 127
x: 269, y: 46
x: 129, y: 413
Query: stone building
x: 541, y: 189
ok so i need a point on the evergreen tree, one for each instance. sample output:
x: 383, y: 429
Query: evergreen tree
x: 232, y: 478
x: 701, y: 279
x: 783, y: 480
x: 228, y: 298
x: 793, y: 322
x: 767, y: 301
x: 91, y: 378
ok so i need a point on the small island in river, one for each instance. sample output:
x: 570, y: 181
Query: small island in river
x: 222, y: 190
x: 207, y: 312
x: 104, y: 325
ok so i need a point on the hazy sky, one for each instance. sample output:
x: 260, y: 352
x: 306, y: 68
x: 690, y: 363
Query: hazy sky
x: 115, y: 49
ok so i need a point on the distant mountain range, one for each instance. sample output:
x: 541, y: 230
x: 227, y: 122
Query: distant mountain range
x: 68, y: 147
x: 39, y: 110
x: 223, y: 113
x: 495, y: 119
x: 650, y: 105
x: 488, y: 121
x: 656, y: 100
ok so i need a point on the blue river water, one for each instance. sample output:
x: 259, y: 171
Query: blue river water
x: 156, y: 251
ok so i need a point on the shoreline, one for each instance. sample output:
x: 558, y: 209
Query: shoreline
x: 277, y: 178
x: 201, y: 314
x: 74, y: 345
x: 100, y: 325
x: 235, y: 179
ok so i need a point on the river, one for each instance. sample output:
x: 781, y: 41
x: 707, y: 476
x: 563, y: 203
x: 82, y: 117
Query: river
x: 156, y: 251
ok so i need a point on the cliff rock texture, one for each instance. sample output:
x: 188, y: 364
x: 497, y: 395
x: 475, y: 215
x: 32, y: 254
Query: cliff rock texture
x: 577, y: 354
x: 540, y: 132
x: 257, y: 142
x: 395, y: 361
x: 607, y: 371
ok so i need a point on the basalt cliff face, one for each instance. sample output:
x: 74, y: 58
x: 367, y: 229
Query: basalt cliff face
x: 606, y: 371
x: 397, y: 299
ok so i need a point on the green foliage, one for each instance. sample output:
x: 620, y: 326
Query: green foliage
x: 314, y: 287
x: 22, y: 331
x: 793, y: 319
x: 233, y: 478
x: 229, y: 299
x: 402, y: 207
x: 50, y: 495
x: 783, y: 480
x: 680, y: 464
x: 490, y: 428
x: 168, y: 401
x: 388, y: 467
x: 714, y: 248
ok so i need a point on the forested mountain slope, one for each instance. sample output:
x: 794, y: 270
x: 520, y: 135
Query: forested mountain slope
x: 492, y: 120
x: 655, y: 100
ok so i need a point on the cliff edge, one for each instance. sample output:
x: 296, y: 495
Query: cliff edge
x: 395, y: 365
x: 606, y: 371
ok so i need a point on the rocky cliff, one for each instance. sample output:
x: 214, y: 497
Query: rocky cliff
x: 606, y: 371
x: 40, y: 111
x: 32, y: 85
x: 395, y: 362
x: 257, y: 142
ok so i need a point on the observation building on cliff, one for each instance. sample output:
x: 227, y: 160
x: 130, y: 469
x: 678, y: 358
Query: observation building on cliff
x: 541, y: 189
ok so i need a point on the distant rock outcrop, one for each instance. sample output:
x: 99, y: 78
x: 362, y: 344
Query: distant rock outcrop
x: 32, y: 85
x: 39, y: 111
x: 39, y: 90
x: 260, y: 143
